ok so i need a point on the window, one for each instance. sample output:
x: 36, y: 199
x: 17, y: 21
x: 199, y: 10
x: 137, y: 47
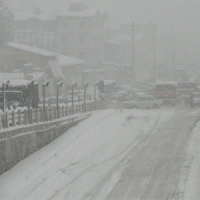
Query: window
x: 81, y: 54
x: 142, y: 98
x: 81, y: 39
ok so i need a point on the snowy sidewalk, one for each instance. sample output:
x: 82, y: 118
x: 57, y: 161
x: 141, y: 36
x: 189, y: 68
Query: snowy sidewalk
x: 192, y: 191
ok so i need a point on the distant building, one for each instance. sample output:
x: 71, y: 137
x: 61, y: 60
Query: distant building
x: 119, y: 47
x: 32, y: 62
x: 79, y: 32
x: 36, y: 29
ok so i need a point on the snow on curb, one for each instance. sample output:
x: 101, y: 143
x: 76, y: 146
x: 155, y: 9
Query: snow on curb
x: 192, y: 186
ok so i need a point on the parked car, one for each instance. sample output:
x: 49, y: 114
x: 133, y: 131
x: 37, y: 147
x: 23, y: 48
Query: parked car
x: 143, y: 101
x: 195, y: 99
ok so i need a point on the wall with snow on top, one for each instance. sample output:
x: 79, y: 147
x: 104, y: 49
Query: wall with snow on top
x: 20, y: 146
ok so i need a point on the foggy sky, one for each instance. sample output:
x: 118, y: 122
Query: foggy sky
x: 178, y: 19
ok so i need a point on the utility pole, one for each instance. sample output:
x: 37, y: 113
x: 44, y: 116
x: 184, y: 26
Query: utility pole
x: 154, y: 54
x: 3, y: 93
x: 173, y: 59
x: 166, y: 57
x: 133, y: 54
x: 177, y: 58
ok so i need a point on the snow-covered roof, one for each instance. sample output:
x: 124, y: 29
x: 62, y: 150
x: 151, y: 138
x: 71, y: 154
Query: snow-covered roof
x: 17, y: 82
x: 11, y: 76
x: 56, y: 70
x: 85, y: 13
x: 38, y: 75
x: 65, y: 61
x: 108, y: 82
x: 30, y: 49
x: 29, y: 15
x: 19, y: 78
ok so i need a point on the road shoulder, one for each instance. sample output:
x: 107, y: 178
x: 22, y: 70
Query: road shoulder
x: 193, y: 182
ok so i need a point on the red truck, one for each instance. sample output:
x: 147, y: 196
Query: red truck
x: 166, y: 91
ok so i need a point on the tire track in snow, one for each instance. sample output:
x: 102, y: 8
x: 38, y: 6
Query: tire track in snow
x: 93, y: 193
x: 56, y: 153
x: 100, y: 185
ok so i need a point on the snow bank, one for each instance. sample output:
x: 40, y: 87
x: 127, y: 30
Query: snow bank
x: 192, y: 191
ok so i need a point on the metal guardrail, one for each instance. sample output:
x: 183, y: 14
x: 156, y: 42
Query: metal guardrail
x: 34, y: 116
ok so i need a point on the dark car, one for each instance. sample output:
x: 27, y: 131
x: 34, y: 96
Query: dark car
x: 195, y: 99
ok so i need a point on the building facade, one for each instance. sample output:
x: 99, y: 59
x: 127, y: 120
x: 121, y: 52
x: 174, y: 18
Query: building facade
x: 36, y: 29
x: 81, y: 33
x: 78, y: 33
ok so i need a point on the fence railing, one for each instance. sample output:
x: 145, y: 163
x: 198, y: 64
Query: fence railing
x: 18, y: 117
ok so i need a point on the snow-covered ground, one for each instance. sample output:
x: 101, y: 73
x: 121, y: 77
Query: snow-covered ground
x: 192, y: 191
x: 74, y: 163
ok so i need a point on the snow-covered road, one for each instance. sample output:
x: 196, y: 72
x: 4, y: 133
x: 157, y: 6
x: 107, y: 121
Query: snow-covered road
x: 92, y: 159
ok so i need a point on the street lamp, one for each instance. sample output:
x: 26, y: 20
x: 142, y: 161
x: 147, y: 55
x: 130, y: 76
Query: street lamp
x: 45, y: 84
x: 73, y: 86
x: 3, y: 93
x: 85, y: 87
x: 29, y: 93
x: 58, y: 85
x: 95, y: 85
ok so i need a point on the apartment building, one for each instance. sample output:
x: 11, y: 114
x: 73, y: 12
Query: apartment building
x: 36, y: 29
x: 78, y: 32
x: 81, y: 33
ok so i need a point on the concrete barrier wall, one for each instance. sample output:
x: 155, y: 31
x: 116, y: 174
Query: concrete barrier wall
x: 19, y: 146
